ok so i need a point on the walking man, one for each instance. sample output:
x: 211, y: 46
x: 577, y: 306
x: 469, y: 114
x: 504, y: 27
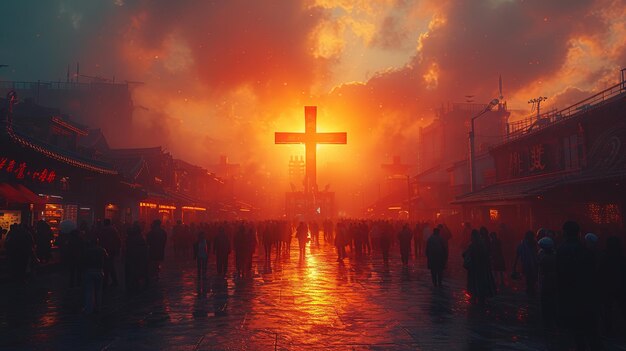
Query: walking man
x: 437, y: 256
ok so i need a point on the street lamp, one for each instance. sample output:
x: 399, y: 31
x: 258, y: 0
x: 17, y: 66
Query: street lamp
x: 490, y: 106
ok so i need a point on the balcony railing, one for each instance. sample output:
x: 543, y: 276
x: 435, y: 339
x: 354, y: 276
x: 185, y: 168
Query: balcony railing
x: 523, y: 127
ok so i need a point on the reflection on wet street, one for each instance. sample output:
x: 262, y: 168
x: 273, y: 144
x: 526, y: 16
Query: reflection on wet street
x: 292, y: 305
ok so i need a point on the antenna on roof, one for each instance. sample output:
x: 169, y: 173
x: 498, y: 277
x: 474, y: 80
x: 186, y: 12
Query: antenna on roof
x: 500, y: 86
x: 537, y: 103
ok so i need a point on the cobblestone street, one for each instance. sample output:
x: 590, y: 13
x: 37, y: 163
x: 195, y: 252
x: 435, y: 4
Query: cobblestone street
x: 317, y: 304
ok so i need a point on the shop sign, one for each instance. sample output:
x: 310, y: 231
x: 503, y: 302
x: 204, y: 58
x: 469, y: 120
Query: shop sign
x: 22, y: 170
x: 530, y: 161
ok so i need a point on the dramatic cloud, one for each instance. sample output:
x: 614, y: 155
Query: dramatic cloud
x: 222, y: 76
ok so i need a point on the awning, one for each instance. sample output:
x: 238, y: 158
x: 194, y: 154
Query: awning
x: 523, y: 189
x: 508, y: 191
x: 17, y: 193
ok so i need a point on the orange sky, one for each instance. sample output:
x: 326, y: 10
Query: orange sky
x: 222, y: 76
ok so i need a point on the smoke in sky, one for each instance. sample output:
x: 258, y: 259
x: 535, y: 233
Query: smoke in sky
x: 222, y: 76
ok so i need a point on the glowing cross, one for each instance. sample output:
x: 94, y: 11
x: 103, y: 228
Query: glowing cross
x: 310, y: 138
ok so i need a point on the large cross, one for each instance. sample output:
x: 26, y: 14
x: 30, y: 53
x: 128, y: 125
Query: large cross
x: 310, y: 138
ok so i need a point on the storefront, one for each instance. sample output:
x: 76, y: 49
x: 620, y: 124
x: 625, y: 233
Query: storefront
x: 41, y: 181
x: 193, y: 214
x: 150, y: 211
x: 572, y: 168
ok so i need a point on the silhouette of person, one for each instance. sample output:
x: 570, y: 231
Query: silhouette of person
x: 239, y: 242
x: 340, y: 241
x: 612, y: 274
x: 19, y: 247
x: 576, y: 289
x: 109, y: 239
x: 547, y: 282
x: 427, y: 231
x: 417, y: 236
x: 75, y: 249
x: 250, y: 249
x: 328, y: 231
x: 178, y: 238
x: 302, y: 233
x: 222, y: 250
x: 405, y: 237
x: 201, y: 255
x: 156, y: 240
x: 136, y: 257
x: 358, y: 239
x: 269, y: 236
x: 437, y: 256
x: 94, y: 258
x: 315, y: 233
x: 385, y: 241
x: 498, y: 263
x: 43, y: 240
x: 476, y: 261
x: 527, y: 255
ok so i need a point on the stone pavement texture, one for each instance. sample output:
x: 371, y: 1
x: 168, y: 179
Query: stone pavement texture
x: 316, y: 304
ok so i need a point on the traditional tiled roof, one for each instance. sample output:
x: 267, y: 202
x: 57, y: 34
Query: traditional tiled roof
x: 95, y: 139
x: 145, y: 152
x: 69, y: 125
x: 54, y: 152
x: 130, y: 167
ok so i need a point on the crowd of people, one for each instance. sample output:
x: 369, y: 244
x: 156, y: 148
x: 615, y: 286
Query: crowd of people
x: 581, y: 283
x: 581, y: 280
x: 27, y: 246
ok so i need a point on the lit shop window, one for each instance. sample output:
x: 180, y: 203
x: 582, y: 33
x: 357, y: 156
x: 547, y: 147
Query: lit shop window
x: 494, y: 215
x: 604, y: 213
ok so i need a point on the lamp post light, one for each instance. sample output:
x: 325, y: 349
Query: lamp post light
x: 472, y: 167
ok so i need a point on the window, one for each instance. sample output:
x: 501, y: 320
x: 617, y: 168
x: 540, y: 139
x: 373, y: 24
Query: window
x: 494, y: 215
x: 604, y: 213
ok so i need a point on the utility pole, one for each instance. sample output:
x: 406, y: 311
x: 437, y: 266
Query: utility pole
x: 537, y: 102
x: 488, y: 108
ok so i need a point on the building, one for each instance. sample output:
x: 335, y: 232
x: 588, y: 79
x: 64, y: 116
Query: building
x: 446, y: 139
x: 443, y: 148
x: 43, y: 174
x: 95, y: 104
x: 568, y: 164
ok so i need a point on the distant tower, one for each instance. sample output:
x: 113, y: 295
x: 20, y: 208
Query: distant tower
x: 296, y: 169
x: 396, y: 168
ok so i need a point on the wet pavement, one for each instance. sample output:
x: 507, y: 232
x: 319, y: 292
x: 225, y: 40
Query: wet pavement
x: 315, y: 304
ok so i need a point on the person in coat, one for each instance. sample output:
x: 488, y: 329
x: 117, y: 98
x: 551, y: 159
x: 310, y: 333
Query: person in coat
x: 156, y: 239
x: 437, y: 256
